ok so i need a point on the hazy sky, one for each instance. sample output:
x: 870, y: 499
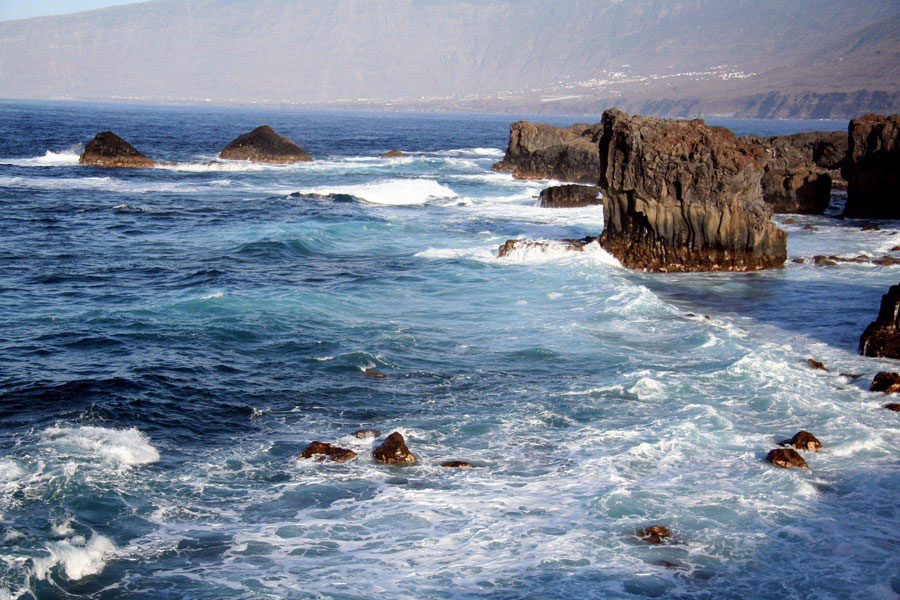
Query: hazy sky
x: 23, y: 9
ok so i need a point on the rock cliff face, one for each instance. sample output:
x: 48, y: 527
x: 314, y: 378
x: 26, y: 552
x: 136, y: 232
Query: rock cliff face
x: 265, y: 146
x: 683, y: 196
x: 872, y: 169
x: 570, y: 196
x: 882, y: 337
x: 109, y: 150
x: 799, y: 190
x: 541, y: 151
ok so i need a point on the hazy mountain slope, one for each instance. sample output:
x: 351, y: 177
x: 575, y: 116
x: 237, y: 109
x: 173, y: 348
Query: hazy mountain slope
x: 326, y: 51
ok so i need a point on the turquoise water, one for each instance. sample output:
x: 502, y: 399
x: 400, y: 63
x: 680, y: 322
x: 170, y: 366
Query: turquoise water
x: 171, y: 339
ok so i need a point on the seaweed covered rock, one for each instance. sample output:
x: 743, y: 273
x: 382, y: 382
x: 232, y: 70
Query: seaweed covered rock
x: 263, y: 145
x: 541, y: 151
x: 570, y: 196
x: 684, y: 196
x: 882, y: 337
x: 109, y: 150
x: 872, y: 169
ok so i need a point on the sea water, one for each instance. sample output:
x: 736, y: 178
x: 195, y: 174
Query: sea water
x: 172, y: 338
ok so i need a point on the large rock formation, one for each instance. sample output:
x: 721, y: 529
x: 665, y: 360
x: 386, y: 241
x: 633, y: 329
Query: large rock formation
x: 800, y: 190
x: 541, y: 151
x: 872, y: 169
x: 109, y: 150
x: 683, y: 196
x: 882, y: 337
x: 263, y: 145
x: 570, y: 196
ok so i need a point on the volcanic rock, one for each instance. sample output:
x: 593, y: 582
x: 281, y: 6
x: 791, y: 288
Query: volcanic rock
x: 541, y: 151
x: 363, y: 434
x: 786, y: 458
x: 458, y: 464
x: 570, y: 196
x: 394, y: 451
x: 323, y: 451
x: 393, y: 154
x: 683, y: 196
x: 872, y: 169
x: 803, y: 440
x: 800, y: 190
x: 654, y: 534
x: 263, y: 145
x: 109, y: 150
x: 886, y: 382
x: 882, y: 337
x: 544, y: 245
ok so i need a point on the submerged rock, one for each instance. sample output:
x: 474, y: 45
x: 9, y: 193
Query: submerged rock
x: 394, y: 451
x: 886, y: 382
x: 803, y: 440
x: 324, y: 450
x: 374, y: 373
x: 109, y: 150
x: 263, y: 145
x: 541, y: 151
x: 458, y: 464
x: 882, y: 337
x: 544, y: 245
x: 683, y: 196
x: 570, y: 196
x: 872, y: 169
x: 363, y: 434
x: 393, y: 154
x: 892, y: 406
x: 654, y: 534
x: 786, y: 458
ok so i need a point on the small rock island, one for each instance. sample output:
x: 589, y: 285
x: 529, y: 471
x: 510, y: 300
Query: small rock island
x: 109, y: 150
x: 263, y: 145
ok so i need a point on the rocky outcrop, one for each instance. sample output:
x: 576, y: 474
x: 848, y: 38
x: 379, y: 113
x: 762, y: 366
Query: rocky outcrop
x: 109, y: 150
x: 888, y: 383
x: 882, y: 337
x: 323, y: 451
x: 803, y: 440
x: 570, y: 196
x: 393, y: 154
x: 684, y: 196
x: 800, y: 190
x: 263, y: 145
x: 394, y: 451
x: 872, y: 169
x: 541, y: 151
x: 786, y: 458
x: 510, y: 246
x: 654, y: 534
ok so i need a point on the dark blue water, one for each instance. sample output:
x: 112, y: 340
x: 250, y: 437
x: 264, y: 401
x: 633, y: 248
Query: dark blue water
x: 172, y: 338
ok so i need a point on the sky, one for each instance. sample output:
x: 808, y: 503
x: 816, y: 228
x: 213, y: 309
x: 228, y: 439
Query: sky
x: 23, y: 9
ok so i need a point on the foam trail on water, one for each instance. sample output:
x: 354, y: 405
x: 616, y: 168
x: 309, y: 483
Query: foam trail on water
x: 123, y: 447
x: 50, y: 158
x: 396, y: 192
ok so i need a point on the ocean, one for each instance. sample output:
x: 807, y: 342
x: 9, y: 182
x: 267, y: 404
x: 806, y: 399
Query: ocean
x: 171, y: 339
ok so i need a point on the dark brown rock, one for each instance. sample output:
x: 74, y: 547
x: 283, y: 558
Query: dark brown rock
x: 363, y: 434
x: 803, y: 440
x: 654, y: 534
x: 872, y: 169
x: 541, y: 151
x: 322, y: 451
x: 374, y: 373
x: 788, y: 222
x: 852, y: 375
x: 263, y: 145
x: 799, y: 261
x: 895, y: 249
x: 815, y: 364
x: 458, y: 464
x: 885, y: 261
x: 882, y: 337
x: 683, y: 196
x: 570, y: 196
x: 394, y: 451
x: 109, y: 150
x: 786, y: 458
x: 886, y: 382
x: 824, y: 261
x: 800, y: 190
x: 892, y: 406
x: 544, y: 245
x: 393, y: 154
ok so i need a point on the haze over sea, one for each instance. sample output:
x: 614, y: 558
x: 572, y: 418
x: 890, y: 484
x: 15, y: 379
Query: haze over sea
x: 171, y: 339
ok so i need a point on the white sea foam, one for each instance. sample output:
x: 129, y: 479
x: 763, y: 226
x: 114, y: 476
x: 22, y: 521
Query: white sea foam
x: 554, y: 250
x: 471, y: 152
x: 216, y: 165
x: 77, y: 556
x: 124, y: 447
x: 64, y: 158
x: 397, y: 192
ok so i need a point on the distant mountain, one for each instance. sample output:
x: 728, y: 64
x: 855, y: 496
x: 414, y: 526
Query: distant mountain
x: 666, y: 56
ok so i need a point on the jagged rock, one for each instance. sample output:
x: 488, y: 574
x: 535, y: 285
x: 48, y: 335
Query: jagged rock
x: 394, y: 451
x: 683, y: 196
x: 363, y: 434
x: 323, y: 451
x: 872, y: 169
x: 109, y: 150
x: 786, y: 458
x: 458, y: 464
x: 800, y: 190
x: 544, y: 245
x: 541, y: 151
x: 263, y: 145
x: 654, y: 534
x: 886, y: 382
x: 815, y: 364
x: 882, y: 337
x: 393, y: 154
x: 570, y: 196
x: 803, y: 440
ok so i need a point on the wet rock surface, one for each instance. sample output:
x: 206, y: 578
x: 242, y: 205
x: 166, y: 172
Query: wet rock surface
x: 457, y: 464
x: 570, y: 196
x: 886, y: 382
x: 394, y: 451
x: 803, y: 440
x: 263, y: 145
x: 654, y: 534
x: 364, y: 434
x: 786, y: 458
x: 882, y: 337
x: 109, y: 150
x: 325, y: 451
x: 541, y: 151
